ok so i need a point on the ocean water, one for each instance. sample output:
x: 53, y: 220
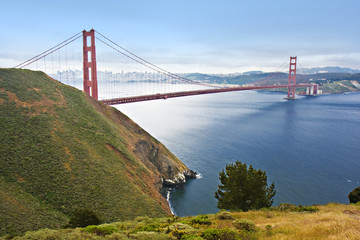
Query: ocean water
x: 310, y: 147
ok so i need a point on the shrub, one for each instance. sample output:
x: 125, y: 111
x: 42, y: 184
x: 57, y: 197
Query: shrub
x: 268, y: 230
x: 294, y: 208
x: 83, y: 218
x: 142, y: 219
x: 191, y: 237
x: 286, y: 207
x: 307, y: 209
x: 354, y: 195
x: 177, y: 233
x: 222, y: 234
x: 181, y: 226
x: 100, y: 230
x: 150, y: 235
x: 151, y: 227
x: 243, y: 224
x: 201, y: 220
x: 224, y: 216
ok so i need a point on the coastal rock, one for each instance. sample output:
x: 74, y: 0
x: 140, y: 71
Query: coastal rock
x: 190, y: 174
x: 179, y: 179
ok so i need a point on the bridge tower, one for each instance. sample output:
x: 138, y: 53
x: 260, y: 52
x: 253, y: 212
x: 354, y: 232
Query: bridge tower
x: 292, y: 78
x: 89, y: 64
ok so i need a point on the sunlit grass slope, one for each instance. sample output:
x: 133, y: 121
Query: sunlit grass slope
x: 60, y: 150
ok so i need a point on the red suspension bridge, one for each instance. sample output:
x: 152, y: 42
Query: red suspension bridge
x: 126, y: 72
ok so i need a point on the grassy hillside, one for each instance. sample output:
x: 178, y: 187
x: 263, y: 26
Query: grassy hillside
x: 333, y: 221
x: 60, y: 150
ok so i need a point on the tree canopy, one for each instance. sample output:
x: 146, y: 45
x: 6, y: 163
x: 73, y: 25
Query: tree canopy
x: 354, y: 195
x: 244, y: 188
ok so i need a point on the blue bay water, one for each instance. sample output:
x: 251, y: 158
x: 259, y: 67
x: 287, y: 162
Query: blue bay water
x: 310, y: 148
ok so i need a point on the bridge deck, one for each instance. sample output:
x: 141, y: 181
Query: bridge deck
x: 190, y: 93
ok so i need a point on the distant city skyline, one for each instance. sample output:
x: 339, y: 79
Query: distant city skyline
x: 193, y: 36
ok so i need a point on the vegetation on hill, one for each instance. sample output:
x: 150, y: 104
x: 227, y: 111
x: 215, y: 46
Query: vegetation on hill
x: 333, y: 221
x: 60, y: 151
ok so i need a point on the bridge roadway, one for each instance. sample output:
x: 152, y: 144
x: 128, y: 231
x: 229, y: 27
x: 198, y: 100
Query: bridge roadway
x: 190, y: 93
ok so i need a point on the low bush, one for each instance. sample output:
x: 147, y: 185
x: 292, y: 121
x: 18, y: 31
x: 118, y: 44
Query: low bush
x: 177, y: 233
x: 191, y: 237
x: 150, y: 235
x: 286, y: 207
x: 293, y: 208
x: 244, y: 224
x: 268, y: 230
x: 307, y: 209
x: 100, y: 230
x: 151, y: 227
x: 142, y: 219
x: 223, y: 215
x: 222, y: 234
x: 201, y: 220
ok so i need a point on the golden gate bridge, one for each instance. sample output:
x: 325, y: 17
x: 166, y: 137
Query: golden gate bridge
x: 126, y: 72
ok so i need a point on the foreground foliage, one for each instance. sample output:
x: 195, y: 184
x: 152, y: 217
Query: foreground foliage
x: 333, y: 221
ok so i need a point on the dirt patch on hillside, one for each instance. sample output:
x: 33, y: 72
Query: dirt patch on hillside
x: 67, y: 165
x: 45, y: 105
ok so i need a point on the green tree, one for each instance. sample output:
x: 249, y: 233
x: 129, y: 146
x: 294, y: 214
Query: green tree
x: 354, y: 195
x: 244, y: 188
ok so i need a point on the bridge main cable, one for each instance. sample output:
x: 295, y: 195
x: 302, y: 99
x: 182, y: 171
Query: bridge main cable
x: 49, y: 51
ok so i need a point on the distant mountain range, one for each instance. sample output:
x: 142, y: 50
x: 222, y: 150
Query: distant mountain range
x: 313, y: 75
x: 305, y: 71
x: 315, y: 70
x: 330, y: 70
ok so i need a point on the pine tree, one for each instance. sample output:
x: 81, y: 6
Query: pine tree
x: 244, y: 188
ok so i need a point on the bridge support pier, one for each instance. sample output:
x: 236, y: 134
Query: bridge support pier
x: 292, y: 79
x: 89, y: 64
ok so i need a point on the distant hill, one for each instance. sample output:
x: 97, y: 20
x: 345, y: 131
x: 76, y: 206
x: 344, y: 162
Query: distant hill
x: 330, y: 70
x: 61, y: 150
x: 333, y: 82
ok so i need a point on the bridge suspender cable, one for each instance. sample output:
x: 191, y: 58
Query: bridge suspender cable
x: 49, y: 51
x: 147, y: 63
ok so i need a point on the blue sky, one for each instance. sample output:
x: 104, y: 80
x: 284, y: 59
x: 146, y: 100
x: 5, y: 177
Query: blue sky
x: 193, y: 35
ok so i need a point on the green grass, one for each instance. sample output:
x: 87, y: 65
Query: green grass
x: 62, y: 151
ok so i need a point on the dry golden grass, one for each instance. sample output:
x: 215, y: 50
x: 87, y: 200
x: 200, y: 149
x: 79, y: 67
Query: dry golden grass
x: 332, y: 221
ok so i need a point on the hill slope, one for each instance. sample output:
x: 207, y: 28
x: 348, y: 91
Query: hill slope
x: 60, y: 150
